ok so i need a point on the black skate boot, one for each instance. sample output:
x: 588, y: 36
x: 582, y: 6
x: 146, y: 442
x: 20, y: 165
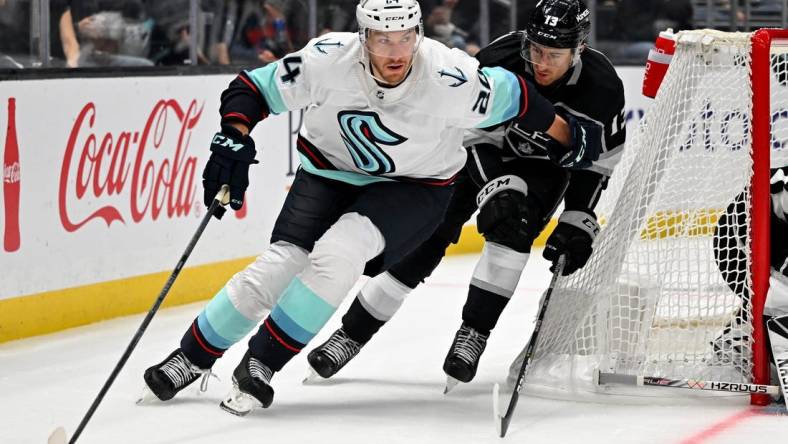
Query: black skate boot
x: 251, y: 387
x: 170, y: 376
x: 463, y: 357
x: 329, y: 357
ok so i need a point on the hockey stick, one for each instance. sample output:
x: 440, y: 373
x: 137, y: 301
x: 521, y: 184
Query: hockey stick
x: 692, y: 384
x: 502, y: 422
x: 59, y: 435
x: 778, y: 337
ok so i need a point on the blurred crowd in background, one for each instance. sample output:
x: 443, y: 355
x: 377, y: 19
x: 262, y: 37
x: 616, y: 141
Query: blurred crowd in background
x: 140, y: 33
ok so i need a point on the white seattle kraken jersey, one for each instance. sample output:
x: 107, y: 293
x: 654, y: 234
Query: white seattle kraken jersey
x: 365, y: 132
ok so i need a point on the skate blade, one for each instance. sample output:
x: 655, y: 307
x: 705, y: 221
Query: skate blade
x: 450, y: 384
x: 58, y: 436
x: 147, y: 397
x: 497, y: 417
x: 312, y: 377
x: 239, y: 403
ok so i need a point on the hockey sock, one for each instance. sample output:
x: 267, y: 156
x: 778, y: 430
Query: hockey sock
x: 293, y: 322
x: 197, y: 348
x: 217, y: 327
x: 482, y: 309
x: 359, y: 324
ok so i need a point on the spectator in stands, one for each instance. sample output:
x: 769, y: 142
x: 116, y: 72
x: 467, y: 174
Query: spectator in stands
x: 263, y: 35
x: 466, y: 17
x: 16, y: 50
x: 439, y: 26
x: 108, y: 33
x: 640, y: 21
x: 337, y: 16
x: 170, y: 36
x: 15, y: 41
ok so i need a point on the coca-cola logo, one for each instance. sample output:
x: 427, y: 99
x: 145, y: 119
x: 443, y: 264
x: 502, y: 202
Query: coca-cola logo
x: 129, y: 174
x: 11, y: 173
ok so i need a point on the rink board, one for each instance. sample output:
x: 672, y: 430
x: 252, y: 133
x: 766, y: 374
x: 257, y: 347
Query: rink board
x: 108, y: 173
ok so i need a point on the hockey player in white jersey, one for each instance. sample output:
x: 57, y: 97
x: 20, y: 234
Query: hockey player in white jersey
x: 516, y: 187
x: 380, y: 147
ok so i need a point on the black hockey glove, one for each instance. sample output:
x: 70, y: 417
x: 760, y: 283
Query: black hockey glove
x: 586, y: 143
x: 505, y: 217
x: 572, y: 237
x: 231, y: 155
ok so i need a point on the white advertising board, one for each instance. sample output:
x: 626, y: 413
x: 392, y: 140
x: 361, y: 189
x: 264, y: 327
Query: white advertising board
x: 108, y: 178
x: 108, y: 175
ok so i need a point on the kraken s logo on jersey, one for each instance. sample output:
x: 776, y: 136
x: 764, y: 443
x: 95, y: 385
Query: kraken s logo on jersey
x: 363, y: 133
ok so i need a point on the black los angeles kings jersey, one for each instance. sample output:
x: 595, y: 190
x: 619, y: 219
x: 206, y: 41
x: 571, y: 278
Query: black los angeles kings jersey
x: 590, y: 89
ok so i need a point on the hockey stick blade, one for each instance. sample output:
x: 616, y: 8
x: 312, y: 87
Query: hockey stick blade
x: 58, y: 436
x: 777, y: 329
x: 499, y: 428
x: 529, y: 351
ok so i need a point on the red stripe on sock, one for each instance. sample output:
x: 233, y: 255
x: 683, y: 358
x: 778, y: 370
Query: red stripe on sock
x: 281, y: 341
x: 199, y: 341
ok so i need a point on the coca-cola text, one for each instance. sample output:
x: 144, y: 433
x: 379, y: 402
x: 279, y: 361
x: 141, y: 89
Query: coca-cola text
x: 97, y: 166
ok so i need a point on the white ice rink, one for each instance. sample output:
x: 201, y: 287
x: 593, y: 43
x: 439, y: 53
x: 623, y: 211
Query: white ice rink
x: 391, y: 393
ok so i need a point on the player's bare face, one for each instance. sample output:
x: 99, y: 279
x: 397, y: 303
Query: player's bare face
x: 549, y: 64
x: 391, y: 53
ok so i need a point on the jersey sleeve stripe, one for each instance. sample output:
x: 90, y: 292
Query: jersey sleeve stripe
x: 248, y: 83
x: 523, y: 95
x: 239, y: 116
x: 506, y: 99
x: 265, y: 80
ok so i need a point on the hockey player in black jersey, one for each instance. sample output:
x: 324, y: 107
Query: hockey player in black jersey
x: 517, y: 188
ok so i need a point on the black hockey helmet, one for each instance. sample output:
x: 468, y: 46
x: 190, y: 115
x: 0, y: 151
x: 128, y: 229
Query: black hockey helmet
x: 558, y: 24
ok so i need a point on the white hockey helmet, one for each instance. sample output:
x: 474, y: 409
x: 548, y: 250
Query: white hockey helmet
x: 389, y: 16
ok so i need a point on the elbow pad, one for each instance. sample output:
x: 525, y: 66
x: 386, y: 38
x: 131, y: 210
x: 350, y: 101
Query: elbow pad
x: 537, y: 113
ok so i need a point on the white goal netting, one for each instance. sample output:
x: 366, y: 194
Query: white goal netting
x: 666, y: 291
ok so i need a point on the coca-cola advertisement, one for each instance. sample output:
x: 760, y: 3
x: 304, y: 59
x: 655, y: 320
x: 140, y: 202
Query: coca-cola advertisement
x: 104, y: 182
x: 11, y: 183
x: 133, y: 174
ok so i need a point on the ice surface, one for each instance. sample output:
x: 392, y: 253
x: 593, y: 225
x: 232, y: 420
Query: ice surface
x: 391, y: 393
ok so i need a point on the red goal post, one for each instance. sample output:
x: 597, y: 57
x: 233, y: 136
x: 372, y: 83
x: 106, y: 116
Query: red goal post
x: 762, y: 49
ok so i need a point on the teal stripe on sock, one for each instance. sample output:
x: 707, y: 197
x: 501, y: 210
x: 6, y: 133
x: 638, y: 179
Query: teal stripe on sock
x: 304, y: 308
x: 214, y: 339
x: 289, y: 326
x: 226, y: 322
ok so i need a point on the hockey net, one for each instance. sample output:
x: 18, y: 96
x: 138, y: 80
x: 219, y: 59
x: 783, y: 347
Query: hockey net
x: 687, y: 200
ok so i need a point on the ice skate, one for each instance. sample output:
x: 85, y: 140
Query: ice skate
x: 463, y: 357
x: 450, y: 384
x: 329, y: 357
x: 165, y: 379
x: 251, y: 387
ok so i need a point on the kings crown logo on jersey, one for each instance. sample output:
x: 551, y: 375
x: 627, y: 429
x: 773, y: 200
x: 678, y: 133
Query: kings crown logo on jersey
x: 363, y: 133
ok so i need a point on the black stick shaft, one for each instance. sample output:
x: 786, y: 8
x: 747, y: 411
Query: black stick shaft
x: 507, y: 417
x: 145, y: 321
